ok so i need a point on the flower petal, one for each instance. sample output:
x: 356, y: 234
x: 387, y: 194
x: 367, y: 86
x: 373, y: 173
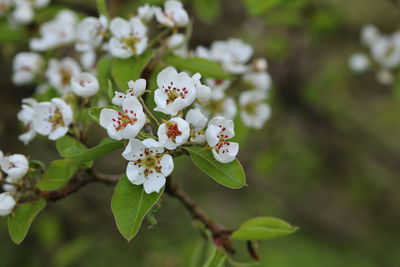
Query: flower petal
x: 134, y: 150
x: 120, y: 27
x: 166, y: 76
x: 226, y: 153
x: 154, y: 182
x: 106, y: 116
x: 58, y: 133
x: 135, y: 173
x: 118, y: 98
x: 167, y: 165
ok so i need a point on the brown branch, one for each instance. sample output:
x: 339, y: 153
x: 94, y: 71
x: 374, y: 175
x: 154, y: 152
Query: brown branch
x: 107, y: 178
x: 252, y: 251
x: 80, y: 180
x: 221, y: 235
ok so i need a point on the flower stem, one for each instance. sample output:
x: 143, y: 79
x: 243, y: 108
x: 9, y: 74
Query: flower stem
x: 148, y: 111
x: 159, y: 37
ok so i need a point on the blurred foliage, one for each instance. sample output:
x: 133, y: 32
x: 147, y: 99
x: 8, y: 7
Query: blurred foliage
x: 327, y: 161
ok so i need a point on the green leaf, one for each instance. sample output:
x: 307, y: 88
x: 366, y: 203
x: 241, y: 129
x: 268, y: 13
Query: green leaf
x: 130, y: 204
x: 104, y: 72
x: 49, y: 94
x: 263, y: 228
x: 47, y: 13
x: 256, y: 7
x: 36, y: 164
x: 102, y: 8
x: 9, y: 34
x: 205, y: 67
x: 57, y: 174
x: 68, y: 146
x: 124, y: 70
x: 97, y: 151
x: 94, y: 113
x: 207, y: 10
x: 241, y: 131
x: 110, y: 91
x: 216, y: 259
x: 228, y: 174
x: 19, y: 224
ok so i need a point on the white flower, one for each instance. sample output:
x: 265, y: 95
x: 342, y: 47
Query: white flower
x: 33, y: 3
x: 136, y: 88
x: 129, y: 37
x: 175, y: 92
x: 15, y: 166
x: 23, y: 12
x: 42, y: 88
x: 26, y: 117
x: 89, y: 33
x: 202, y: 52
x: 126, y: 124
x: 177, y: 44
x: 85, y: 84
x: 26, y: 66
x: 386, y: 51
x: 233, y: 54
x: 260, y: 80
x: 175, y: 40
x: 52, y: 118
x: 220, y: 130
x: 7, y: 204
x: 145, y: 12
x: 88, y: 60
x: 57, y: 32
x: 260, y: 64
x: 174, y: 15
x: 8, y: 187
x: 197, y: 122
x: 60, y: 72
x: 369, y: 34
x: 385, y: 77
x: 359, y: 62
x: 148, y: 165
x: 221, y: 106
x: 218, y: 87
x: 254, y: 112
x: 228, y: 108
x: 203, y: 92
x: 173, y: 133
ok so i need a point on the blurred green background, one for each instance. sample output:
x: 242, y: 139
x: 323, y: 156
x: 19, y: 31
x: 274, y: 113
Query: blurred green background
x: 327, y: 161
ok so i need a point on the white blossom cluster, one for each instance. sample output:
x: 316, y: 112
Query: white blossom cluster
x: 149, y: 160
x: 234, y: 57
x: 13, y: 170
x: 199, y: 111
x: 20, y: 11
x: 384, y: 54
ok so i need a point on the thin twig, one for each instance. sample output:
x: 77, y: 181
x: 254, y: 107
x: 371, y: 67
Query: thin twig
x: 221, y: 235
x: 219, y: 232
x: 252, y: 251
x: 148, y: 111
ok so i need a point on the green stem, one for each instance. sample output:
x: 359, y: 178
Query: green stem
x: 159, y: 37
x: 102, y: 8
x: 148, y: 111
